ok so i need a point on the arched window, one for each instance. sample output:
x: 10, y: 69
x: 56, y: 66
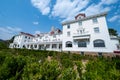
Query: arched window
x: 68, y: 44
x: 99, y: 43
x: 15, y: 45
x: 31, y: 46
x: 35, y: 46
x: 18, y: 46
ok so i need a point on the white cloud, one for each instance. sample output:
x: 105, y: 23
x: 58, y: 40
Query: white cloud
x: 95, y: 9
x: 67, y: 9
x: 37, y: 32
x: 35, y: 23
x: 42, y: 5
x: 7, y: 32
x: 114, y: 18
x: 108, y: 2
x: 102, y: 6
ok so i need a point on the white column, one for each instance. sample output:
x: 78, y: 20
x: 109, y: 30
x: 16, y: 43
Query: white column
x: 33, y: 46
x: 58, y: 46
x: 50, y: 46
x: 44, y: 46
x: 30, y: 47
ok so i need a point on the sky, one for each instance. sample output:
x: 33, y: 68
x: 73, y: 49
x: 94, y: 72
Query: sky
x: 35, y: 16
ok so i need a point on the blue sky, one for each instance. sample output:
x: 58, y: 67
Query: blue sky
x: 34, y: 16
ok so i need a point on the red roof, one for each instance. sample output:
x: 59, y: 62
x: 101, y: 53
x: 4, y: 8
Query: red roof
x: 26, y: 34
x: 81, y: 14
x: 52, y: 32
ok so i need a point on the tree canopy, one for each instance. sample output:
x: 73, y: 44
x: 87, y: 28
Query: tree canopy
x: 113, y: 32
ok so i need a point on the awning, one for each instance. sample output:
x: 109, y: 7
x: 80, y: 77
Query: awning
x: 81, y: 37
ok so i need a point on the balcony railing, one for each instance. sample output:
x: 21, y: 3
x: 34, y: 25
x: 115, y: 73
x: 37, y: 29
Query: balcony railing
x: 84, y: 35
x: 81, y: 34
x: 113, y: 37
x: 51, y: 40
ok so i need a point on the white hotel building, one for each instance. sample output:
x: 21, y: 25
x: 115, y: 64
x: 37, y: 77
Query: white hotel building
x: 88, y: 34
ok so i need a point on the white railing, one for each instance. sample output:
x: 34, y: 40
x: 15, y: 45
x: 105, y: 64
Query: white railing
x: 81, y: 34
x: 111, y: 36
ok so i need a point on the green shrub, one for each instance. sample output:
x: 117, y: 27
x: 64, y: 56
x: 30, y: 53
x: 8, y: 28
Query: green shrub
x: 68, y: 74
x: 66, y: 63
x: 50, y: 70
x: 11, y: 66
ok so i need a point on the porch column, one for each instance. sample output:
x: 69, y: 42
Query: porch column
x: 57, y: 46
x: 44, y: 46
x: 33, y: 46
x: 50, y: 46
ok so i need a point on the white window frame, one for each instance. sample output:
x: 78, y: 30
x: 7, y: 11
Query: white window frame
x: 95, y: 20
x: 68, y: 34
x: 97, y: 30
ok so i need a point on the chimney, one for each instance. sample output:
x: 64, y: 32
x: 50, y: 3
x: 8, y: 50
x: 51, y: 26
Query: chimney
x: 52, y: 28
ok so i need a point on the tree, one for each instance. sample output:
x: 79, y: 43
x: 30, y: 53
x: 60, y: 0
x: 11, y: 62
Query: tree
x: 113, y: 32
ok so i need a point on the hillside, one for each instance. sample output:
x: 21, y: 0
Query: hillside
x: 16, y: 64
x: 5, y: 43
x: 1, y: 40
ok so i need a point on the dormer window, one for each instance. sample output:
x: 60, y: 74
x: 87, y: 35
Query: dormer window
x: 80, y: 16
x: 68, y: 26
x: 95, y: 20
x: 25, y: 36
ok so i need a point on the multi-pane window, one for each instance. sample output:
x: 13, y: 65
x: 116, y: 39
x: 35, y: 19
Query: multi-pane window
x: 47, y: 46
x: 99, y: 43
x: 68, y: 26
x: 18, y: 45
x: 31, y: 46
x: 40, y: 37
x: 80, y: 23
x: 68, y: 44
x: 25, y: 36
x: 95, y: 20
x: 35, y: 46
x: 54, y: 36
x: 68, y: 33
x: 82, y: 44
x: 25, y: 40
x: 24, y: 46
x: 27, y: 46
x: 54, y: 45
x: 46, y: 36
x: 96, y: 30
